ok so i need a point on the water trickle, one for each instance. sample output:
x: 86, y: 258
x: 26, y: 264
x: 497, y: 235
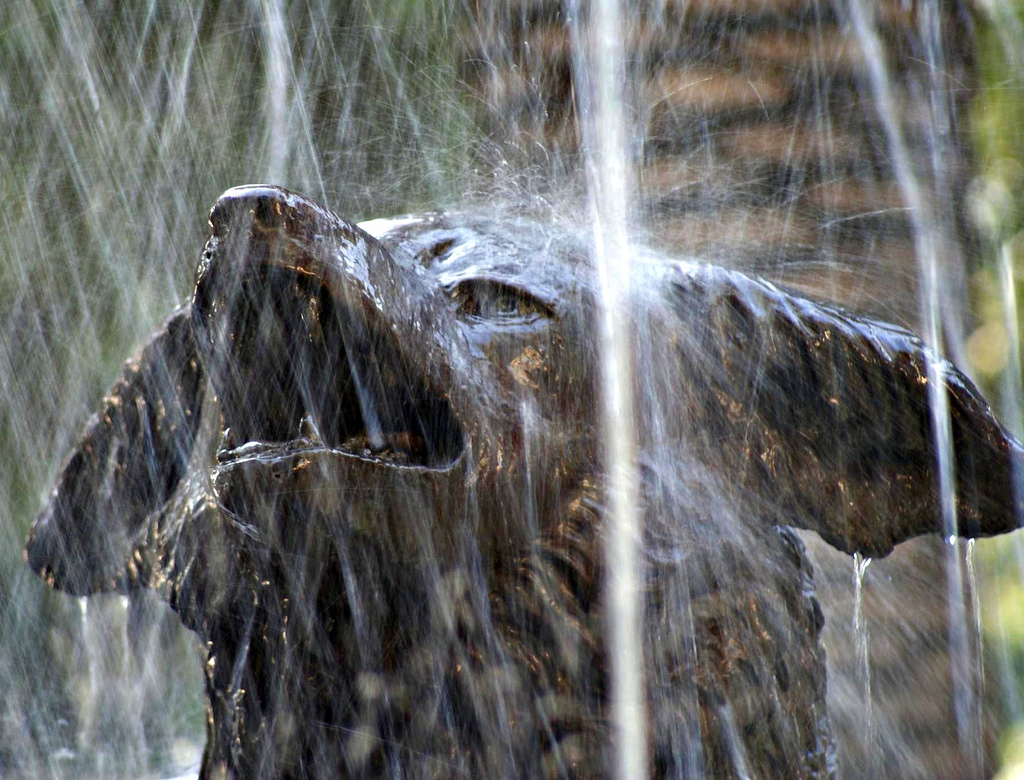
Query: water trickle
x: 977, y: 637
x: 862, y: 637
x: 367, y: 408
x: 966, y: 664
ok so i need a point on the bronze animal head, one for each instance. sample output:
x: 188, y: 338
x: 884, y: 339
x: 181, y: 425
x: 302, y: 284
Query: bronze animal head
x: 365, y: 466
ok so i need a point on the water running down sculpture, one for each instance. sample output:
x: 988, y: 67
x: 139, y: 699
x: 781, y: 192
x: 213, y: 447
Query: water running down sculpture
x: 366, y: 471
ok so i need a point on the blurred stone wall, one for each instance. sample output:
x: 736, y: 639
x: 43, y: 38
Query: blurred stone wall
x: 755, y: 129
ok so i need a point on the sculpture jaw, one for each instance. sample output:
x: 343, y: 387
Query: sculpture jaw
x: 326, y: 415
x: 283, y: 493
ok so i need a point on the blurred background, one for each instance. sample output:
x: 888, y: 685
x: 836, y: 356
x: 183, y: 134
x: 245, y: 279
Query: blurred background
x: 784, y: 137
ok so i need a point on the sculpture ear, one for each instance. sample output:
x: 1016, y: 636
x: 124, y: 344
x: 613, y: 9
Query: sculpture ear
x: 826, y: 418
x: 127, y: 464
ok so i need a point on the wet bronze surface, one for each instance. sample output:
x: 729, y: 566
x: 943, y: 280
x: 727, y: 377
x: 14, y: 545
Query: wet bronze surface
x: 366, y: 472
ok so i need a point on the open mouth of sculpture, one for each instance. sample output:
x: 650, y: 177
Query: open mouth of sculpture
x: 298, y: 370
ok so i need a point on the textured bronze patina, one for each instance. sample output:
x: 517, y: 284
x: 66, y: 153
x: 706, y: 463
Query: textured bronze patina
x: 366, y: 472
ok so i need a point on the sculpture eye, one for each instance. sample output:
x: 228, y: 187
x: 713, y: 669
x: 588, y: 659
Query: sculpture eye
x: 435, y: 251
x: 484, y: 299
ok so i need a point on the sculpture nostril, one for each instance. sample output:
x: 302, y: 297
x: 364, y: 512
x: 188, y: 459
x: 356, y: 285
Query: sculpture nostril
x: 252, y: 204
x: 266, y: 212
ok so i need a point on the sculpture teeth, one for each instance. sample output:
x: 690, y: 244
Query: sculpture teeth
x: 227, y: 443
x: 308, y: 429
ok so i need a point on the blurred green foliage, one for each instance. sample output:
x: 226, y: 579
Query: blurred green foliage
x: 998, y: 192
x: 994, y: 346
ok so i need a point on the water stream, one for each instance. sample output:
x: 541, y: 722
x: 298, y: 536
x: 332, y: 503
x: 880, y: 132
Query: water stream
x: 863, y: 638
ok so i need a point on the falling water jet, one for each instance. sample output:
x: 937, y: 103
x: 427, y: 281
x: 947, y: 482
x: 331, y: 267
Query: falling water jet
x: 278, y: 82
x: 927, y: 242
x: 1011, y: 401
x: 609, y: 182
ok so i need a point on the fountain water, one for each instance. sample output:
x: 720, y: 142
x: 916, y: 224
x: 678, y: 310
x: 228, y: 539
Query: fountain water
x: 128, y: 122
